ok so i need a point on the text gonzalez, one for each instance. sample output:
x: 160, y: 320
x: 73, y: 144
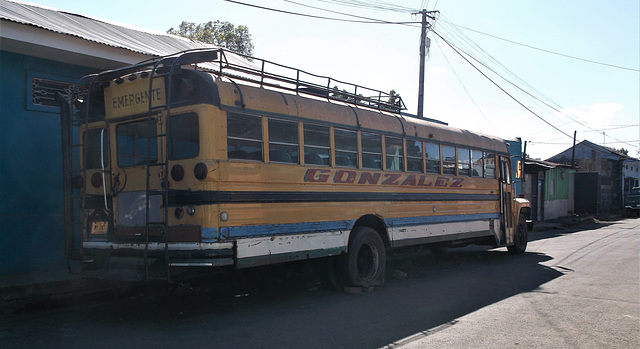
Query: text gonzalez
x: 316, y: 175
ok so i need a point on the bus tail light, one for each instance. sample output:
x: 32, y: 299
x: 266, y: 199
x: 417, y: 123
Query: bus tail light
x: 96, y: 180
x: 78, y: 182
x: 200, y: 171
x: 177, y: 173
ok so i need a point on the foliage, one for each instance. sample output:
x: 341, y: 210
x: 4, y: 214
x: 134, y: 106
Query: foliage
x: 219, y: 33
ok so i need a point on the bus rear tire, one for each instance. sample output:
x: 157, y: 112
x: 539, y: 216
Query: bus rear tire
x: 520, y: 237
x: 366, y: 258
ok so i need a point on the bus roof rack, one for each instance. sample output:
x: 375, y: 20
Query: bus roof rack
x: 267, y: 74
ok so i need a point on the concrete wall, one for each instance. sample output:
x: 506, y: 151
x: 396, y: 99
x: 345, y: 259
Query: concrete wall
x: 31, y: 209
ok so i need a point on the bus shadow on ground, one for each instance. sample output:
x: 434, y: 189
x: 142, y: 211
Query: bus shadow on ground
x: 289, y: 309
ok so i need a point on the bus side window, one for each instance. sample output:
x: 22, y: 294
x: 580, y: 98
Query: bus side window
x: 414, y: 156
x: 449, y: 160
x: 433, y: 157
x: 394, y: 153
x: 477, y: 168
x: 317, y: 145
x: 506, y: 171
x: 183, y: 137
x: 283, y: 141
x: 464, y: 164
x: 371, y: 151
x: 346, y: 144
x: 97, y: 139
x: 489, y: 165
x: 244, y: 137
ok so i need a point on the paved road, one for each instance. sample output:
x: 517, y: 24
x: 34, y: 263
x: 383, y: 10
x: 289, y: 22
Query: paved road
x: 594, y: 303
x: 572, y: 289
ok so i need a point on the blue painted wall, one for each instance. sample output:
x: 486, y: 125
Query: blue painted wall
x: 31, y: 201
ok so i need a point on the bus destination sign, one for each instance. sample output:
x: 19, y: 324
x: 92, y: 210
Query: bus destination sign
x: 132, y: 97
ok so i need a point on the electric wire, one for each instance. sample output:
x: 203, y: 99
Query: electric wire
x: 348, y: 14
x: 372, y: 5
x: 556, y: 108
x: 526, y: 92
x: 454, y: 32
x: 498, y: 86
x: 464, y: 87
x: 548, y: 51
x: 316, y: 17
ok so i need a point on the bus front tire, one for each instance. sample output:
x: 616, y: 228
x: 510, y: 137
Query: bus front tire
x: 520, y: 237
x: 366, y: 258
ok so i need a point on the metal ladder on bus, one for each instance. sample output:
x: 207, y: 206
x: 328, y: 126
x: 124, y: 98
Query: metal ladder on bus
x: 166, y: 67
x: 74, y: 190
x: 159, y: 140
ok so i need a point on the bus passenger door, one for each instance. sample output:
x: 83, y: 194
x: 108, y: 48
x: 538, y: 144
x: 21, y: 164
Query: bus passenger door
x: 506, y: 198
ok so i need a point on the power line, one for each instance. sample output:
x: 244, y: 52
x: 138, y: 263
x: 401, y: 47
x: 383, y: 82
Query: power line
x: 348, y: 14
x: 373, y: 5
x: 316, y: 17
x: 547, y: 51
x: 465, y: 89
x: 499, y: 87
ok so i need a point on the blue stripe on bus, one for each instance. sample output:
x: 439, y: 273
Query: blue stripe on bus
x: 410, y: 221
x: 209, y: 234
x: 317, y: 227
x: 280, y: 229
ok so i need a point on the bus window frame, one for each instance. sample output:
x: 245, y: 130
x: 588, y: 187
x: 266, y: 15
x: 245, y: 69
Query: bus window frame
x: 281, y: 145
x: 355, y: 153
x: 370, y: 152
x: 308, y: 147
x: 396, y: 158
x: 258, y: 142
x: 137, y: 142
x: 170, y: 139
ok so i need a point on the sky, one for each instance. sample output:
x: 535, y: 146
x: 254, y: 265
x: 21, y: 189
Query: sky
x: 543, y: 70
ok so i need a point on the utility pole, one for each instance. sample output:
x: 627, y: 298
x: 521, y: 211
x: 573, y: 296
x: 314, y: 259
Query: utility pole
x: 424, y: 43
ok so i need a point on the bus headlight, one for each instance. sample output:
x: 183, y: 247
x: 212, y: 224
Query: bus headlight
x: 224, y: 216
x: 191, y: 210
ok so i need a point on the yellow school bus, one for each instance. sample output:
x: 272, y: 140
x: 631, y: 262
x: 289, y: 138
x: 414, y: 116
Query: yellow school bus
x: 203, y: 160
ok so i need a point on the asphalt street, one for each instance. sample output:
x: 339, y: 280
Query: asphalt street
x: 574, y: 288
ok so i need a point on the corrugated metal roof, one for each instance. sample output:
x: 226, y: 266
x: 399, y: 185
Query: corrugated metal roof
x: 99, y: 31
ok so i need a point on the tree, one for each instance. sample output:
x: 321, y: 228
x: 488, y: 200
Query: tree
x: 219, y: 33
